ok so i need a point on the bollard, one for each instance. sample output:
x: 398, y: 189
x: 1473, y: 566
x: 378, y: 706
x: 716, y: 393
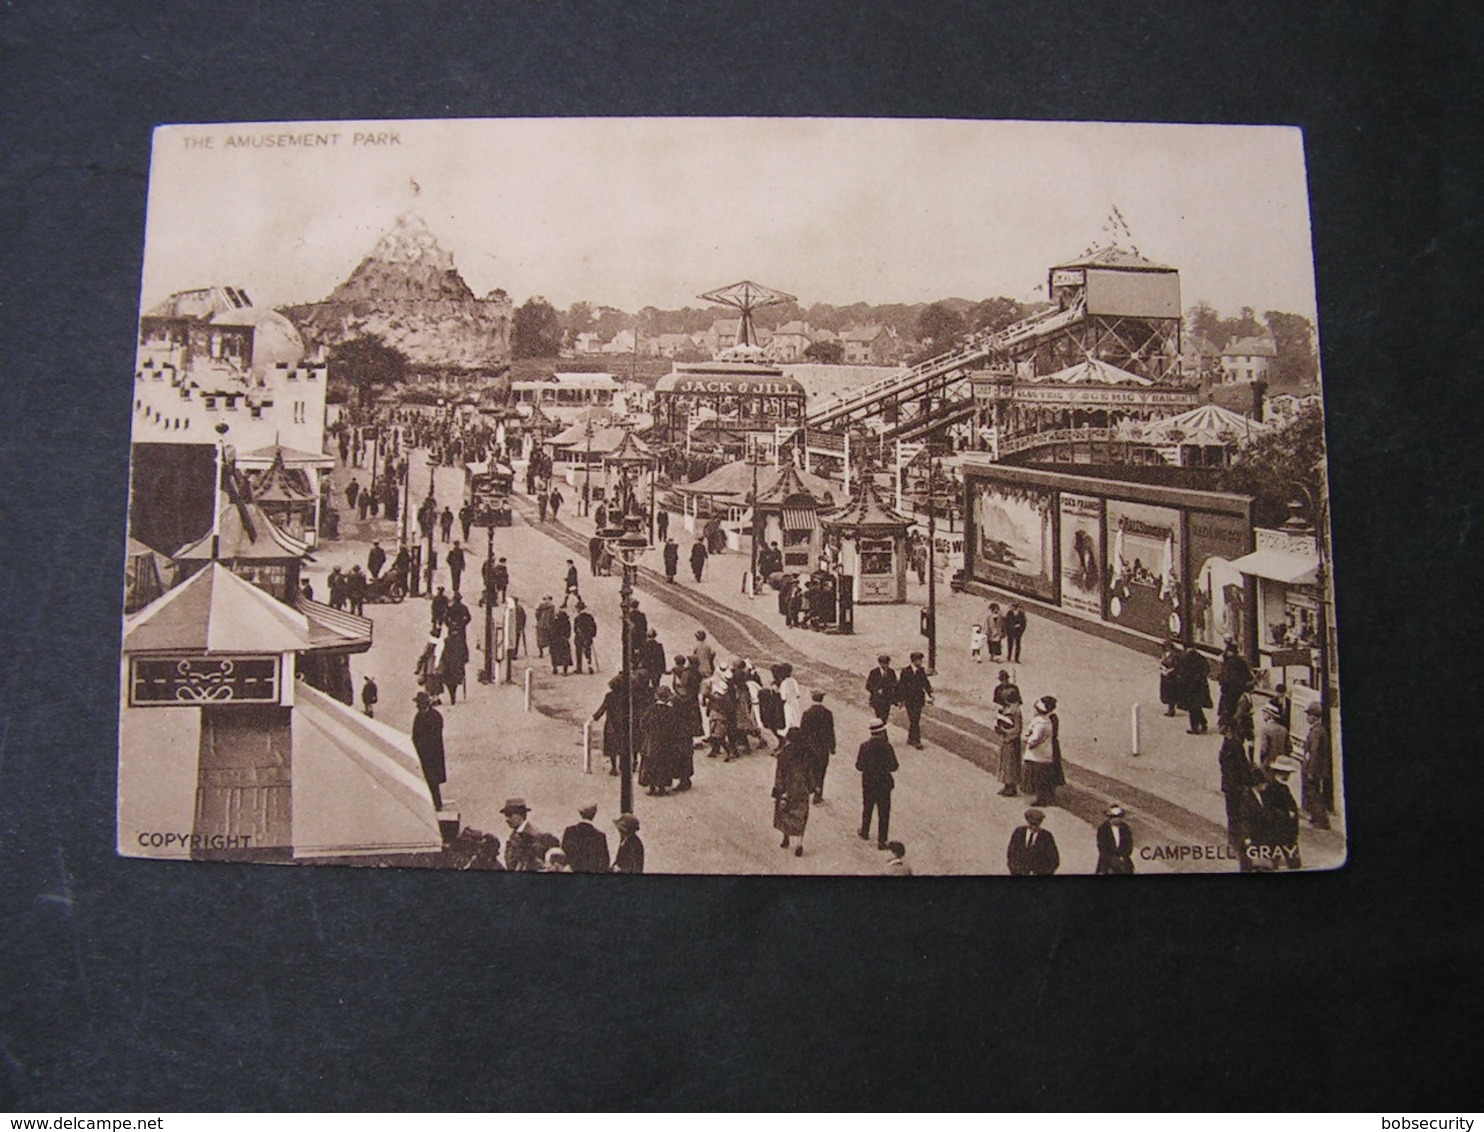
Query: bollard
x: 528, y: 689
x: 1134, y: 722
x: 587, y: 746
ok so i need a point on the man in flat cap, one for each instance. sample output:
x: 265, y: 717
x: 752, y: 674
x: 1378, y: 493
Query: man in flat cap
x: 1317, y: 772
x: 1272, y: 738
x: 585, y: 845
x: 881, y: 687
x: 1032, y: 850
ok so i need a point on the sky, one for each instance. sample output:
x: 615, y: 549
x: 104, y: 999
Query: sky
x: 634, y: 212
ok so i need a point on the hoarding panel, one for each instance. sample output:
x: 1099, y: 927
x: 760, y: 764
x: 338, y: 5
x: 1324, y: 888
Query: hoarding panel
x: 1136, y: 294
x: 1082, y: 554
x: 1218, y: 591
x: 1013, y: 537
x: 1144, y: 557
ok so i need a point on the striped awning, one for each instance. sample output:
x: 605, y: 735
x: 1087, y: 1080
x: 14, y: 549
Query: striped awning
x: 799, y: 519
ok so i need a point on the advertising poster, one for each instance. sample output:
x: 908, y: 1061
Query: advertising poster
x: 1082, y: 554
x: 1218, y: 591
x: 1144, y: 557
x: 1013, y: 538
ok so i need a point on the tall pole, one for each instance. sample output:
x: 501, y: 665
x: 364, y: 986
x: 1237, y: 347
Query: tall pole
x: 753, y: 462
x: 587, y: 472
x: 932, y: 625
x: 489, y: 600
x: 626, y: 754
x: 432, y: 512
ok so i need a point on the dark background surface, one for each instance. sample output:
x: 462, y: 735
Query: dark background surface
x: 129, y: 985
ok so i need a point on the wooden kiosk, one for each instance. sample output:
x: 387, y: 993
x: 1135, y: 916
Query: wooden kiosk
x: 869, y: 541
x: 787, y: 513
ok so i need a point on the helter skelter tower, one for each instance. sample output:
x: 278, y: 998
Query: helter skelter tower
x: 747, y: 297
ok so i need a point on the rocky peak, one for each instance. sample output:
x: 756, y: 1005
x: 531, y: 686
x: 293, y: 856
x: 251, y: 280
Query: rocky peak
x: 407, y: 263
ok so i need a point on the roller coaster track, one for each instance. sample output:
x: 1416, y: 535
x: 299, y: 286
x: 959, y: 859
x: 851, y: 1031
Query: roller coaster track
x: 937, y: 375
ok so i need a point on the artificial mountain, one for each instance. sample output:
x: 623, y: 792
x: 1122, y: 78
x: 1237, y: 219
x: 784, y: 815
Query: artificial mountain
x: 408, y: 293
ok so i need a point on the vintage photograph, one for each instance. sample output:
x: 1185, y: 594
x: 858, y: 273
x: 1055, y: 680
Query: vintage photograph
x: 730, y: 496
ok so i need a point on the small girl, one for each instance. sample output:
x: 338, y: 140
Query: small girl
x: 976, y: 644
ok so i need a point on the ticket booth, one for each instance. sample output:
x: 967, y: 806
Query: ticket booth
x: 869, y: 541
x: 787, y: 513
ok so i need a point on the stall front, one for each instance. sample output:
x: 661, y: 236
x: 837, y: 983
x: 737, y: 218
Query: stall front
x: 226, y: 753
x: 786, y: 516
x: 869, y: 542
x: 1286, y: 567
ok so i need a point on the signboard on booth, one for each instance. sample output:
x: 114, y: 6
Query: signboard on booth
x: 196, y: 681
x: 1218, y: 591
x: 1014, y: 537
x: 1144, y: 556
x: 1082, y: 554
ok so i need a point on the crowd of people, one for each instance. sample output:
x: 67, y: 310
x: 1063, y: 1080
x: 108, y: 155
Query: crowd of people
x: 669, y: 711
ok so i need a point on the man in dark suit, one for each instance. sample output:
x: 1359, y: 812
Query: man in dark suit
x: 1032, y: 851
x: 525, y: 848
x: 427, y: 741
x: 585, y: 845
x: 817, y: 733
x: 881, y: 687
x: 914, y: 689
x: 1115, y: 844
x: 876, y: 760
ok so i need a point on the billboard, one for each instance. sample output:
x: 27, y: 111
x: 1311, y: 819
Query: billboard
x: 1218, y: 591
x: 1134, y: 294
x: 1082, y: 554
x: 1144, y: 564
x: 1014, y: 537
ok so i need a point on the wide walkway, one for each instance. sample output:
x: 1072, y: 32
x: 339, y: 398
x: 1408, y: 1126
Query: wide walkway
x: 946, y: 807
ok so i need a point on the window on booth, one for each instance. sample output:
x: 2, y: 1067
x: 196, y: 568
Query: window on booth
x: 876, y: 556
x: 796, y: 548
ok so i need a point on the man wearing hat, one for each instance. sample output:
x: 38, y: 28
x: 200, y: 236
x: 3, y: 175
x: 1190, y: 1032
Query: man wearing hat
x: 1032, y: 850
x: 630, y: 855
x: 1272, y: 740
x: 881, y: 687
x: 1316, y: 777
x: 817, y: 733
x: 1275, y: 831
x: 876, y: 760
x: 1115, y: 845
x: 525, y: 848
x: 585, y: 845
x: 427, y: 741
x: 914, y: 689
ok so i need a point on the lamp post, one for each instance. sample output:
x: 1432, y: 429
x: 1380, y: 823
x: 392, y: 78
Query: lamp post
x: 430, y: 508
x: 587, y: 471
x: 630, y: 542
x: 1318, y: 515
x: 932, y: 619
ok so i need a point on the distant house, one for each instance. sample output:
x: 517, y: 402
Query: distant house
x: 1248, y: 359
x: 790, y: 341
x: 587, y: 342
x: 675, y: 345
x: 621, y: 343
x: 868, y: 345
x: 1199, y: 355
x: 723, y: 335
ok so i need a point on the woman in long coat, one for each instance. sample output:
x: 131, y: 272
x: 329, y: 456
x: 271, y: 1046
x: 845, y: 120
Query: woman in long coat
x: 793, y: 787
x: 793, y: 695
x: 721, y: 714
x: 658, y: 730
x: 561, y: 643
x: 1008, y: 725
x: 1169, y: 677
x: 1041, y: 755
x: 614, y: 712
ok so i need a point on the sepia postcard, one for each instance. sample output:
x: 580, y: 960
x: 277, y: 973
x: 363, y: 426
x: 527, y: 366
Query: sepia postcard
x: 738, y: 496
